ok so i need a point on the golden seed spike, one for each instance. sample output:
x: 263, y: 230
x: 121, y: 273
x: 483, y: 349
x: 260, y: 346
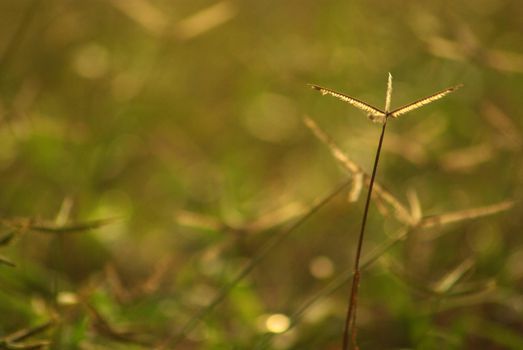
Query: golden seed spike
x: 377, y: 115
x: 371, y: 110
x: 423, y: 101
x: 389, y: 94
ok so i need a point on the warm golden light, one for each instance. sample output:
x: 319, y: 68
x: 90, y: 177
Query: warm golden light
x: 277, y: 323
x: 321, y: 267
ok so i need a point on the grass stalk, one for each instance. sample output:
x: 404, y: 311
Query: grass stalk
x: 381, y: 116
x: 350, y: 320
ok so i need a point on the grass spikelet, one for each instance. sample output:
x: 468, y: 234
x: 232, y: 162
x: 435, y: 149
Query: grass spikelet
x: 461, y: 215
x: 377, y: 115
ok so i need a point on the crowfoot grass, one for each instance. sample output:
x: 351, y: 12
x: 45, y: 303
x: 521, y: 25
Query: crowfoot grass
x: 379, y: 116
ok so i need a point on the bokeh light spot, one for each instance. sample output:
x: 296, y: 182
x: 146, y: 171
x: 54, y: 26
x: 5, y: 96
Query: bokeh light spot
x: 91, y: 61
x: 67, y: 298
x: 321, y: 267
x: 277, y: 323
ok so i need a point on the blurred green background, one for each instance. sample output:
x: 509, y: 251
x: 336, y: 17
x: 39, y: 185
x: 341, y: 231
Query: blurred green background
x: 182, y: 120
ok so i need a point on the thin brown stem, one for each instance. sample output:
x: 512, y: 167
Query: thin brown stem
x: 350, y: 321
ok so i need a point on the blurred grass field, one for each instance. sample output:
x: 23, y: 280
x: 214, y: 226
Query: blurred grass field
x: 180, y: 123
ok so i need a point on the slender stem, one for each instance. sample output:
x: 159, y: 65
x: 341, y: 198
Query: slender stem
x: 350, y: 321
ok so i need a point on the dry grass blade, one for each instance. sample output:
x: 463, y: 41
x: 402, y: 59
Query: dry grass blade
x: 504, y: 60
x: 355, y: 190
x: 38, y: 345
x: 143, y: 13
x: 401, y: 212
x: 472, y: 50
x: 423, y: 101
x: 205, y: 20
x: 447, y: 287
x: 7, y: 238
x: 444, y: 48
x: 71, y: 228
x: 158, y: 277
x: 65, y: 212
x: 449, y: 280
x: 350, y: 165
x: 264, y: 222
x: 27, y: 332
x: 472, y: 289
x: 199, y: 221
x: 415, y: 206
x: 457, y: 216
x: 6, y: 261
x: 462, y: 295
x: 276, y: 217
x: 371, y: 110
x: 381, y: 207
x: 466, y: 159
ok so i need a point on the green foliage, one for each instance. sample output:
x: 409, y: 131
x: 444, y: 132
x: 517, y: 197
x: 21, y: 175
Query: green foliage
x: 155, y: 170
